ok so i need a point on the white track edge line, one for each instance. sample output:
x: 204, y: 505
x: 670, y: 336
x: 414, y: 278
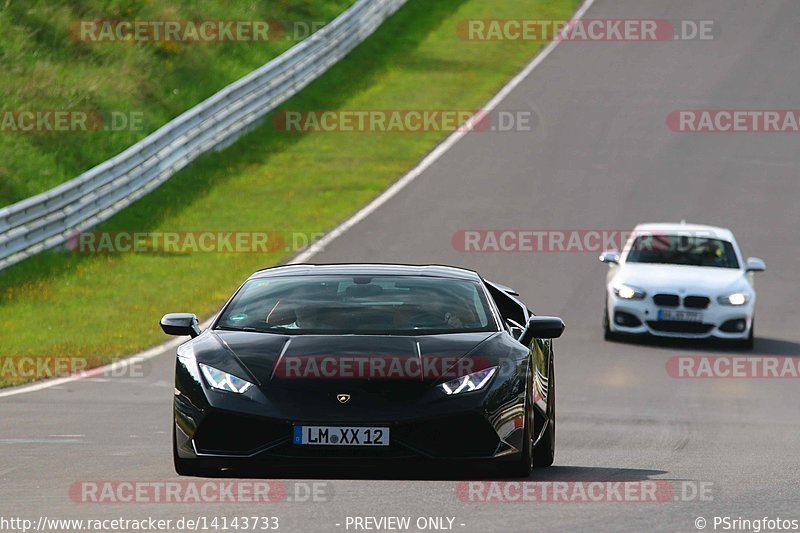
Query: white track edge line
x: 434, y: 155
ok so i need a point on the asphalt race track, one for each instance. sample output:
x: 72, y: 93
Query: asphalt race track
x: 601, y: 157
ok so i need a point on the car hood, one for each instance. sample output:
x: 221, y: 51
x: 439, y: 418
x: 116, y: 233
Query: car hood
x: 295, y: 361
x: 678, y: 278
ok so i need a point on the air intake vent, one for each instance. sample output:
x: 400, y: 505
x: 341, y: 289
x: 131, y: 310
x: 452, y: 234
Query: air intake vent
x: 667, y: 300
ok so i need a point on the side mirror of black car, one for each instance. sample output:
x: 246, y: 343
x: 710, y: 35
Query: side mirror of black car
x: 181, y: 324
x: 515, y: 329
x: 542, y: 327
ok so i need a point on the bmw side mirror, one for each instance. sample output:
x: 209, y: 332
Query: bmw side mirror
x: 181, y: 324
x: 611, y: 257
x: 754, y: 264
x: 542, y: 327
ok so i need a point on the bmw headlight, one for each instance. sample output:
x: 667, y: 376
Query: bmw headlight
x: 223, y: 381
x: 626, y: 292
x: 471, y: 382
x: 734, y: 298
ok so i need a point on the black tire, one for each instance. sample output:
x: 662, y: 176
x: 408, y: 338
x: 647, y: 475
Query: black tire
x: 607, y: 333
x: 187, y: 467
x: 523, y: 466
x: 545, y: 451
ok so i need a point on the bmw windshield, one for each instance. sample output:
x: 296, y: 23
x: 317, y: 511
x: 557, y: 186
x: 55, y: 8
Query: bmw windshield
x: 682, y: 250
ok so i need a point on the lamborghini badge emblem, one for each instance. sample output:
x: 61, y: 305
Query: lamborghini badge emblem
x: 343, y: 398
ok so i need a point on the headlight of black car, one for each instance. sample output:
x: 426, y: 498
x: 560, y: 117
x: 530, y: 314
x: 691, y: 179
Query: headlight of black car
x: 220, y: 380
x: 470, y: 382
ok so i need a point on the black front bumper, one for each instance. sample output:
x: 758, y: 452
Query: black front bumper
x: 238, y: 438
x: 227, y: 428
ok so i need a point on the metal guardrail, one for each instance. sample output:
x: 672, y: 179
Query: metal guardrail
x: 49, y: 219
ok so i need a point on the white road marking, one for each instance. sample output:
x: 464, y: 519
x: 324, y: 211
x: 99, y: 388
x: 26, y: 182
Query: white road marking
x: 113, y: 367
x: 40, y: 441
x: 434, y: 156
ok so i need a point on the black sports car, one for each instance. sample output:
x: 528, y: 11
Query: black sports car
x: 360, y: 362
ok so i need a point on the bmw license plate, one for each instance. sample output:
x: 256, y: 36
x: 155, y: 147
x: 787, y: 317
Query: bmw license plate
x: 680, y: 316
x: 341, y: 436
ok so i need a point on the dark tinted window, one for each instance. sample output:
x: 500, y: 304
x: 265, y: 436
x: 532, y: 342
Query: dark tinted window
x: 683, y: 250
x: 398, y: 305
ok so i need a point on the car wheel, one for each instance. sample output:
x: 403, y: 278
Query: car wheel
x: 607, y: 333
x: 545, y: 451
x: 524, y: 465
x: 186, y: 467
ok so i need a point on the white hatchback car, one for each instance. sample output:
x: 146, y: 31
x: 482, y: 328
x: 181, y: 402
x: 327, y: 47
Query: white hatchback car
x: 681, y: 280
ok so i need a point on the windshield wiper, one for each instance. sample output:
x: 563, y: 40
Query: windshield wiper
x: 246, y: 328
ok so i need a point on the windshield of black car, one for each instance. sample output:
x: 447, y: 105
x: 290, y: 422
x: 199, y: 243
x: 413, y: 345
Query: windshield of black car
x: 682, y: 250
x: 392, y: 305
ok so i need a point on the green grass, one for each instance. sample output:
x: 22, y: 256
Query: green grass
x: 45, y: 68
x: 103, y: 306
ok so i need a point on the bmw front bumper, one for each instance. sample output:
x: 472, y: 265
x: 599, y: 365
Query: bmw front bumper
x: 637, y: 317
